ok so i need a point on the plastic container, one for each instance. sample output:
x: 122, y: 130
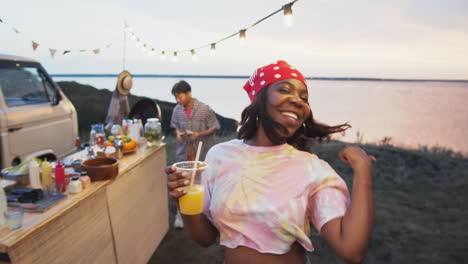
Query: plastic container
x: 75, y: 185
x: 34, y: 175
x: 14, y: 218
x: 153, y: 131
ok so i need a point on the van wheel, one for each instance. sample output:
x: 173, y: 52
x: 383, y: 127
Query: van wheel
x: 15, y: 162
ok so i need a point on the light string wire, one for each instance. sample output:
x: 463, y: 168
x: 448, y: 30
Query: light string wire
x: 172, y: 51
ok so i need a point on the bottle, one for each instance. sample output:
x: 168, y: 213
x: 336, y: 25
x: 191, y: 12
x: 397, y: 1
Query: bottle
x: 34, y: 175
x: 118, y: 144
x: 142, y: 142
x: 75, y: 185
x: 153, y: 131
x: 3, y: 206
x: 60, y: 178
x: 92, y: 137
x: 46, y: 175
x: 77, y: 143
x: 100, y: 134
x: 190, y: 151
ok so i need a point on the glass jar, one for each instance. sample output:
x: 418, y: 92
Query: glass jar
x: 100, y: 136
x: 153, y: 131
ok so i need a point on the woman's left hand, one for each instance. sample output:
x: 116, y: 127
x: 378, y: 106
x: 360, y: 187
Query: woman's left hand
x: 357, y: 158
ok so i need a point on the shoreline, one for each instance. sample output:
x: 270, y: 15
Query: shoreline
x: 201, y: 76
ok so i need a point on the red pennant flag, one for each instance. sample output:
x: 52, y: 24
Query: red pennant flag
x: 96, y: 51
x: 52, y: 52
x: 35, y: 45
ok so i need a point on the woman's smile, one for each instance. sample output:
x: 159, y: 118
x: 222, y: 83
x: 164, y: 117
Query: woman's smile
x: 288, y: 104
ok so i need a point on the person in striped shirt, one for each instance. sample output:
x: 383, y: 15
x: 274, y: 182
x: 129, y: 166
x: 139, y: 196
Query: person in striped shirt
x: 193, y: 121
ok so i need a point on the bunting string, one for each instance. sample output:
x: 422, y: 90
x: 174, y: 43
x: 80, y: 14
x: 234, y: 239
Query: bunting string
x: 53, y: 51
x: 150, y: 50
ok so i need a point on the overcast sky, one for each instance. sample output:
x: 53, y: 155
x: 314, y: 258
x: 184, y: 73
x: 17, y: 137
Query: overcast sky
x: 422, y: 39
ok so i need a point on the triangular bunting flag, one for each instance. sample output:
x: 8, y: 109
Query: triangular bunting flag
x: 14, y: 29
x: 82, y: 50
x: 96, y: 51
x: 66, y: 51
x: 1, y: 20
x: 35, y: 45
x: 52, y: 52
x: 109, y: 45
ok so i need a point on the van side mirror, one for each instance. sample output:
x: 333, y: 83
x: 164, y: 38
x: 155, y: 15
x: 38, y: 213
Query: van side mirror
x: 57, y: 97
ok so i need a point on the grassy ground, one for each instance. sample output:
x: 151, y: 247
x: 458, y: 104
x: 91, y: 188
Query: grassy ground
x: 420, y: 209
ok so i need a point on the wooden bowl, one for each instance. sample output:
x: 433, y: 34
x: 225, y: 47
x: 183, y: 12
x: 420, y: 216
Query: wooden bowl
x: 101, y: 168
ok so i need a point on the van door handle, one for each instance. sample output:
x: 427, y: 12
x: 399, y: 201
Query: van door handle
x: 13, y: 129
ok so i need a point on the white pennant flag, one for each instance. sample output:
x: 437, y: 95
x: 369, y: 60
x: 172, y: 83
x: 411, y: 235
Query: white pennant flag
x: 52, y: 52
x: 35, y: 45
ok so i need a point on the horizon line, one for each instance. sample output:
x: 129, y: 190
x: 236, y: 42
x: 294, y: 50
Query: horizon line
x: 201, y: 76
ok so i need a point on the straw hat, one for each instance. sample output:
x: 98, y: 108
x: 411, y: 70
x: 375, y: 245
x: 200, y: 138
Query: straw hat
x: 124, y: 83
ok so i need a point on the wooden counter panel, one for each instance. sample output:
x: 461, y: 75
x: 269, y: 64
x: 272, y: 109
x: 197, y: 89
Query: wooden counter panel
x: 35, y: 221
x: 79, y: 235
x: 137, y: 202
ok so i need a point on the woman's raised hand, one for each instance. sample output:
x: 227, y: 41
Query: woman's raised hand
x: 175, y: 180
x: 357, y: 158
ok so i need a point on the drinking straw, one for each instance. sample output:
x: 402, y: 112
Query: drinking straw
x: 195, y: 164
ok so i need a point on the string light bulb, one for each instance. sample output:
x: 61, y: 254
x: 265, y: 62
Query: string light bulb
x: 287, y: 11
x: 151, y: 52
x: 213, y: 49
x: 138, y: 44
x: 143, y: 48
x: 242, y: 35
x: 163, y: 55
x: 194, y: 55
x: 175, y: 58
x: 133, y: 37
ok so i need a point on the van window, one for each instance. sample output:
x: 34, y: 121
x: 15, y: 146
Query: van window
x: 24, y: 86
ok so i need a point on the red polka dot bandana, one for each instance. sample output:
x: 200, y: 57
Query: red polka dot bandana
x: 271, y: 73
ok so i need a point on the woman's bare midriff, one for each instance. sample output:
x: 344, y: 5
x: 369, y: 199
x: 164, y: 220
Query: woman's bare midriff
x: 245, y: 255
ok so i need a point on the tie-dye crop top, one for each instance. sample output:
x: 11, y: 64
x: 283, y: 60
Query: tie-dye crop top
x: 265, y: 197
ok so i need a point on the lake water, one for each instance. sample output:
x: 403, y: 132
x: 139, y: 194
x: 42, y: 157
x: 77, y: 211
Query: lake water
x: 413, y: 114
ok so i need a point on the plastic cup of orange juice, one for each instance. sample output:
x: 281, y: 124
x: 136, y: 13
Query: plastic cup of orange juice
x: 192, y: 202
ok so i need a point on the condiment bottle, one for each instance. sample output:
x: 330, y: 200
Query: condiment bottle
x: 46, y: 175
x: 75, y: 185
x: 34, y: 175
x: 60, y: 177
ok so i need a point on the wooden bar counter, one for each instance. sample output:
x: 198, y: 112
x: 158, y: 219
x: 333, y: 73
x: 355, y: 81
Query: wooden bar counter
x: 118, y: 221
